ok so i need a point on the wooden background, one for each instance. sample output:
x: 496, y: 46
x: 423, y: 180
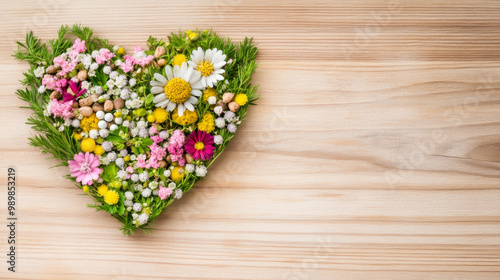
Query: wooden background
x: 374, y: 152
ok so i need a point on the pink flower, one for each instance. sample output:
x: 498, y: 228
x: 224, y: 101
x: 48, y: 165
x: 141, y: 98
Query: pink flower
x: 130, y: 169
x: 139, y: 58
x: 176, y: 147
x: 79, y: 46
x: 157, y: 139
x: 141, y: 161
x: 50, y: 82
x: 61, y: 109
x: 201, y: 145
x: 153, y: 130
x: 157, y: 153
x: 127, y: 66
x: 177, y: 138
x: 85, y: 168
x: 66, y: 67
x: 163, y: 193
x: 104, y: 56
x: 73, y: 91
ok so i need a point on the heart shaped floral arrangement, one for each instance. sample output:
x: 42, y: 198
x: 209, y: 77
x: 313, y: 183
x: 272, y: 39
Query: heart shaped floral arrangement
x: 136, y: 130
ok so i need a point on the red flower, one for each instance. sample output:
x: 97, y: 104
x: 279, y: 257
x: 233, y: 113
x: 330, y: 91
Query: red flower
x: 200, y: 144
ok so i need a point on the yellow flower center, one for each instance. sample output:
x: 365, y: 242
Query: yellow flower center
x: 199, y: 146
x: 177, y: 90
x: 206, y: 68
x: 179, y: 59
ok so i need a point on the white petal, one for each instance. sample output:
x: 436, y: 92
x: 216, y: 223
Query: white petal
x: 160, y: 78
x: 193, y: 100
x: 183, y: 70
x: 208, y: 81
x: 219, y: 65
x: 189, y: 106
x: 171, y: 106
x: 156, y: 84
x: 196, y: 92
x: 218, y: 77
x: 163, y: 103
x: 195, y: 77
x: 187, y: 74
x: 217, y: 57
x: 203, y: 81
x: 176, y: 71
x: 208, y: 55
x: 168, y: 71
x: 220, y: 71
x: 197, y: 57
x: 181, y: 109
x: 156, y: 89
x: 198, y: 85
x: 159, y: 98
x: 192, y: 64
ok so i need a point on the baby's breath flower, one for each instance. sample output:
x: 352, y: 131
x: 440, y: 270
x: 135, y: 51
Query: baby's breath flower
x: 201, y: 171
x: 146, y: 192
x: 218, y: 139
x: 231, y: 127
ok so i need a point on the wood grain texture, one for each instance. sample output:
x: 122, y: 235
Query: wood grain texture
x: 374, y: 152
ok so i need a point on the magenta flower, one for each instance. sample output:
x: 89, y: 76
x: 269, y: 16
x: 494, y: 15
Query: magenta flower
x: 200, y: 144
x: 73, y: 91
x: 84, y: 168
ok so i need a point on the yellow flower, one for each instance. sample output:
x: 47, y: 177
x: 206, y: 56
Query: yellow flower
x: 160, y: 115
x: 179, y: 59
x: 87, y: 145
x: 98, y: 150
x: 111, y: 197
x: 77, y: 136
x: 241, y: 99
x: 175, y: 176
x: 209, y: 92
x: 89, y: 123
x: 121, y: 51
x: 192, y: 35
x: 151, y: 118
x: 102, y: 190
x: 85, y: 188
x: 189, y: 117
x: 126, y: 158
x: 207, y: 123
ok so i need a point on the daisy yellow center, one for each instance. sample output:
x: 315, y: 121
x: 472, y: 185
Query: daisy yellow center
x: 177, y: 90
x: 199, y: 146
x: 206, y: 68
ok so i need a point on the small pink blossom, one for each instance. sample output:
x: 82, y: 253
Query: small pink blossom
x: 141, y: 161
x: 130, y: 169
x: 127, y: 66
x: 85, y: 168
x: 153, y: 130
x: 176, y: 147
x: 50, y: 82
x: 104, y: 56
x: 157, y: 139
x: 61, y: 109
x: 157, y: 154
x: 163, y: 192
x: 79, y: 46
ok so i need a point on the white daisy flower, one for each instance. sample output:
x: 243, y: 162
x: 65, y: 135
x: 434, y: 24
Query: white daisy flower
x: 180, y: 89
x: 209, y: 64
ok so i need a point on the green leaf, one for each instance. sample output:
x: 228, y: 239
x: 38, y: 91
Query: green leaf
x: 109, y: 172
x: 149, y: 98
x: 147, y: 142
